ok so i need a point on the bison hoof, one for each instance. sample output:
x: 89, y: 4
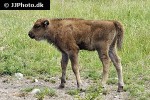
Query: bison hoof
x: 120, y: 89
x: 82, y: 89
x: 61, y: 86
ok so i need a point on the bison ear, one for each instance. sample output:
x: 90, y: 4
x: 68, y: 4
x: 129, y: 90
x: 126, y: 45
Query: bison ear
x: 46, y: 23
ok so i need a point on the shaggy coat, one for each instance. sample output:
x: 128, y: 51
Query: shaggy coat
x: 70, y: 35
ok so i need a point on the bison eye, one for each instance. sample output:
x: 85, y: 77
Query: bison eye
x: 36, y: 26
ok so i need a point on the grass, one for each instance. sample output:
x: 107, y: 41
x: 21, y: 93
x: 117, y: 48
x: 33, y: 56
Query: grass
x: 93, y: 93
x: 73, y: 92
x: 21, y: 54
x: 44, y: 91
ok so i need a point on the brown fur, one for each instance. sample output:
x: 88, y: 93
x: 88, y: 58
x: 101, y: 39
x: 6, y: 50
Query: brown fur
x: 70, y: 35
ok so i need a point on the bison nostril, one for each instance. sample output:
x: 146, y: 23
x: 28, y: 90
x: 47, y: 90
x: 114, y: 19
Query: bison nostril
x: 31, y: 35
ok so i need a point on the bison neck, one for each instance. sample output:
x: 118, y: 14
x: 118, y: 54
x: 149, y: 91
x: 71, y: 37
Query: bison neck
x: 56, y: 43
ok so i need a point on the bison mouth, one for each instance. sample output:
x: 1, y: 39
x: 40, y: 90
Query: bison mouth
x: 38, y: 39
x: 32, y: 36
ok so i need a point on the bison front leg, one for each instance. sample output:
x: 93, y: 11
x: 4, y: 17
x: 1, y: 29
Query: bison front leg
x: 64, y: 62
x: 74, y: 63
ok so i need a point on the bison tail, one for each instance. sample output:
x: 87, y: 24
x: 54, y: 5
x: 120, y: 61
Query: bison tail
x: 120, y: 33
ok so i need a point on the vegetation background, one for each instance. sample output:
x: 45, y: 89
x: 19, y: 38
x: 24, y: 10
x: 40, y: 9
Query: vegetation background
x: 18, y: 53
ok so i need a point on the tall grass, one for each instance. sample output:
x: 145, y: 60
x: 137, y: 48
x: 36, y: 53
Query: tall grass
x: 21, y: 54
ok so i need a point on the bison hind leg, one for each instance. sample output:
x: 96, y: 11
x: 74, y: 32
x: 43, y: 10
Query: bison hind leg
x: 117, y: 63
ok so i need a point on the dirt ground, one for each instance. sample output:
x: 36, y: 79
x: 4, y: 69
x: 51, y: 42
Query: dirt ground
x: 10, y: 89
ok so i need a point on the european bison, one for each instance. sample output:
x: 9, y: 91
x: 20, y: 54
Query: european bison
x: 69, y: 35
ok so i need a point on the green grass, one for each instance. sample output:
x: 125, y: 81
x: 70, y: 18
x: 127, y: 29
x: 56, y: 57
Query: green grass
x: 44, y: 91
x: 73, y: 92
x: 32, y: 58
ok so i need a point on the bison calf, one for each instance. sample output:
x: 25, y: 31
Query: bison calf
x: 70, y: 35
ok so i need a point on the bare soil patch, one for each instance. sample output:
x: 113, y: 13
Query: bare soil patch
x: 11, y: 89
